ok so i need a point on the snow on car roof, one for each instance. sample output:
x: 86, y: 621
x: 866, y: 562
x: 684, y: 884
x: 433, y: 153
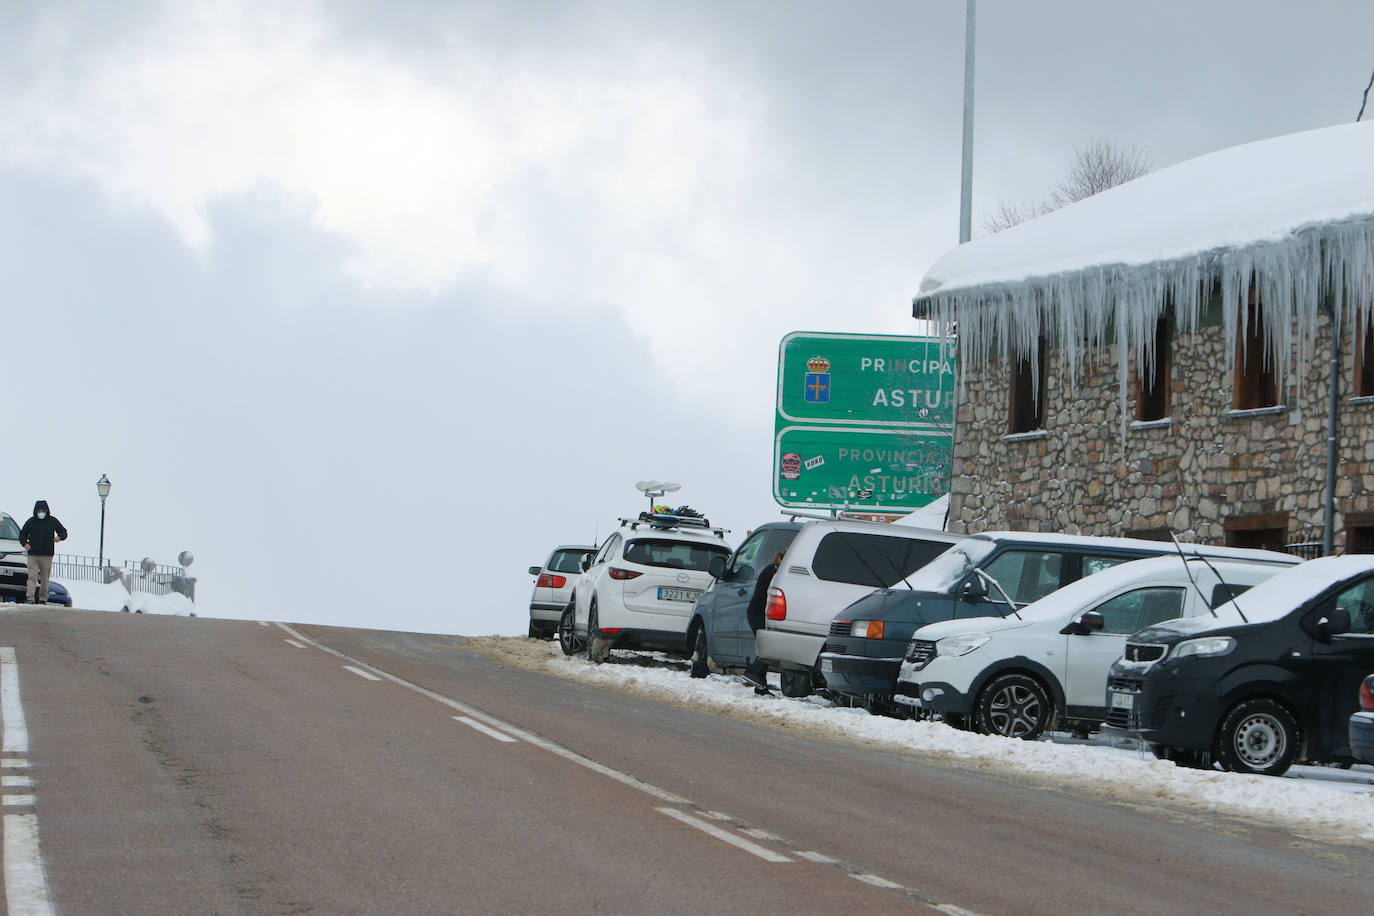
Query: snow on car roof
x: 1275, y: 598
x: 1082, y: 540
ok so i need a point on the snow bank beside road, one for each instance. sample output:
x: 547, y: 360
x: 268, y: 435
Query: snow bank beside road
x: 95, y: 596
x: 1322, y: 810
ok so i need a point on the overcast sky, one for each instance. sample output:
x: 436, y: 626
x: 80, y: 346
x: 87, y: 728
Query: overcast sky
x: 369, y: 305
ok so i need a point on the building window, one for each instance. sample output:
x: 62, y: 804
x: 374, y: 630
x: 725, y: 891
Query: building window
x: 1264, y: 532
x: 1152, y: 402
x: 1364, y: 362
x: 1028, y: 391
x: 1257, y: 382
x: 1359, y: 532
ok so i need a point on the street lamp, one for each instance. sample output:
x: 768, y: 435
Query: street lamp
x: 102, y: 486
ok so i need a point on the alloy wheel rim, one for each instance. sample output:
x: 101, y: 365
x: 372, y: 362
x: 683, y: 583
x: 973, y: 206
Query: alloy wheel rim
x: 1014, y: 711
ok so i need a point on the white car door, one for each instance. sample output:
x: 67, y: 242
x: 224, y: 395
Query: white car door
x: 1090, y: 657
x: 587, y: 582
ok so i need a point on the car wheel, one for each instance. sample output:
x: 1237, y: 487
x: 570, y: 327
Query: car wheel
x: 795, y: 683
x: 1258, y: 736
x: 701, y: 664
x: 568, y: 640
x: 1015, y: 706
x: 596, y: 650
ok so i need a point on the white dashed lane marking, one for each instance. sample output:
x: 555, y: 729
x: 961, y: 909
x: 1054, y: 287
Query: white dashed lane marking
x: 16, y: 782
x: 298, y: 645
x: 26, y: 883
x: 748, y: 846
x: 484, y: 729
x: 361, y: 673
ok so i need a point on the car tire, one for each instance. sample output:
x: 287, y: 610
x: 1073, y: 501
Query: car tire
x: 701, y: 661
x: 568, y: 639
x: 1258, y: 736
x: 795, y: 683
x: 1014, y: 706
x: 596, y: 648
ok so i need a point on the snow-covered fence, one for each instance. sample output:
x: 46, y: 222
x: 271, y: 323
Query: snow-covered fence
x: 157, y: 580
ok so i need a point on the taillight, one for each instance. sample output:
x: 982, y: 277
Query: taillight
x: 549, y: 580
x: 618, y: 573
x: 777, y: 604
x: 1366, y: 696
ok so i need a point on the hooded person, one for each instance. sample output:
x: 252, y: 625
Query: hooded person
x: 39, y: 536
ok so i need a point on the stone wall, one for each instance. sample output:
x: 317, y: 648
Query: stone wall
x: 1188, y: 474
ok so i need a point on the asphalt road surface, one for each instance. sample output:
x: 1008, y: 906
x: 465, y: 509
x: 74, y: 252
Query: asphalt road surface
x: 173, y: 765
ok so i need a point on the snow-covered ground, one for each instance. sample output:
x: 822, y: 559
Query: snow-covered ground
x: 1321, y: 803
x: 95, y: 596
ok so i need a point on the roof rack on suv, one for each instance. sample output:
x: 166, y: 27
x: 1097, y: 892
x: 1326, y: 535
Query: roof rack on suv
x: 666, y: 520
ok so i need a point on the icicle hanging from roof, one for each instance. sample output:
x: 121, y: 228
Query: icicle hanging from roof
x: 1082, y: 312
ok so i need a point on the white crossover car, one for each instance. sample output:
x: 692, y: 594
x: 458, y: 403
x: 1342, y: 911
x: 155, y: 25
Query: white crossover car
x: 1046, y: 664
x: 638, y: 592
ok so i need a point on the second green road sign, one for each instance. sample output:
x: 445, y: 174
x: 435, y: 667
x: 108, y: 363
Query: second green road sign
x: 863, y: 422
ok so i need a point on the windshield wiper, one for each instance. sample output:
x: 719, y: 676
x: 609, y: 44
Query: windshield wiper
x: 1208, y: 563
x: 989, y: 580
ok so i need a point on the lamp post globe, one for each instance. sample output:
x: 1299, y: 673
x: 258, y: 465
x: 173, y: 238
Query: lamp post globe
x: 102, y: 486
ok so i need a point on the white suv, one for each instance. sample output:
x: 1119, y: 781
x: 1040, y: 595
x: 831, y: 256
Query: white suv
x: 14, y: 561
x: 639, y: 590
x: 830, y: 564
x: 1047, y: 663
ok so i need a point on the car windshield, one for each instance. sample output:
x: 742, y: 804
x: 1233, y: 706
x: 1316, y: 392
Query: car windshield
x: 568, y: 561
x: 673, y: 554
x: 9, y: 531
x: 944, y: 572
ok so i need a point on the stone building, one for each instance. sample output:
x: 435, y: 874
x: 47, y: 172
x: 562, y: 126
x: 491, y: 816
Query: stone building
x: 1158, y: 358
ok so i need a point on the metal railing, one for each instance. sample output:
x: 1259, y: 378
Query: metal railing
x: 160, y: 580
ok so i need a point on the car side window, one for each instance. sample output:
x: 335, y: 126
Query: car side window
x: 1026, y: 575
x: 1095, y: 564
x: 1358, y: 602
x: 608, y: 549
x: 1138, y: 609
x: 745, y: 560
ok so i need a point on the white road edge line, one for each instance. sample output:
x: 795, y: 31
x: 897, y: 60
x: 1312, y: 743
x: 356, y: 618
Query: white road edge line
x: 485, y: 729
x: 953, y: 910
x: 298, y: 645
x: 818, y: 857
x: 26, y: 886
x: 361, y: 673
x: 494, y: 722
x: 16, y: 740
x: 263, y: 623
x: 767, y: 855
x: 876, y: 881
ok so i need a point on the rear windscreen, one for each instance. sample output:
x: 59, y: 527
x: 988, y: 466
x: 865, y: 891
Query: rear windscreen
x: 673, y: 554
x: 568, y: 561
x: 875, y: 560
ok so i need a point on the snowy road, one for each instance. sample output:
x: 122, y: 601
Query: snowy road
x: 214, y: 766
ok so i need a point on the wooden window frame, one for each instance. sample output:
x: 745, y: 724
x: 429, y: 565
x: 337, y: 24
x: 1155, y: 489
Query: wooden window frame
x: 1240, y: 530
x: 1026, y: 401
x: 1364, y: 362
x: 1154, y: 386
x: 1359, y: 532
x: 1256, y: 383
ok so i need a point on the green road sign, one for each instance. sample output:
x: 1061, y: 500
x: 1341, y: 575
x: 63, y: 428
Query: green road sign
x: 859, y: 468
x: 864, y: 422
x: 876, y: 380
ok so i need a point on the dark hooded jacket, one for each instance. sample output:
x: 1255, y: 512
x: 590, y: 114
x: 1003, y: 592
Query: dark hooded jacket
x: 39, y: 534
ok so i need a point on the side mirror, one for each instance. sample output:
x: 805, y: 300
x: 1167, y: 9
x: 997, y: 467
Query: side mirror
x: 536, y: 570
x: 975, y: 588
x: 716, y: 567
x: 1084, y: 624
x: 1333, y: 624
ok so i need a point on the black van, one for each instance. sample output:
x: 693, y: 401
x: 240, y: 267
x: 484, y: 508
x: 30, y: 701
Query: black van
x: 978, y: 577
x: 1269, y: 681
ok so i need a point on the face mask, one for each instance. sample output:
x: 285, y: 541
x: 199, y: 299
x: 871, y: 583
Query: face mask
x: 42, y: 515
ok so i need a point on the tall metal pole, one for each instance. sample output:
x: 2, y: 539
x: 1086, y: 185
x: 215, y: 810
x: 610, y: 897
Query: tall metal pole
x: 1332, y: 415
x: 966, y: 180
x: 102, y: 536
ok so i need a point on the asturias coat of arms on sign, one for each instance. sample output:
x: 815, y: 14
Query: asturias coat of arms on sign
x: 817, y: 380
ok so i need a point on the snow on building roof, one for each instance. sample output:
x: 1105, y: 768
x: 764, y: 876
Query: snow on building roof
x: 1288, y: 214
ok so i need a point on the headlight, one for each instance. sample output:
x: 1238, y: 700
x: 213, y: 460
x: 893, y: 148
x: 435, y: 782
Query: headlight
x: 1206, y: 647
x: 867, y: 629
x: 960, y: 645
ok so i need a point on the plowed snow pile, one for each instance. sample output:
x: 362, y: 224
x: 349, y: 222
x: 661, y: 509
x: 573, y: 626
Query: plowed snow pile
x: 1323, y: 804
